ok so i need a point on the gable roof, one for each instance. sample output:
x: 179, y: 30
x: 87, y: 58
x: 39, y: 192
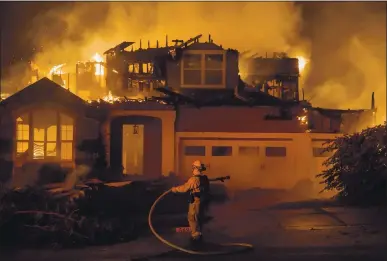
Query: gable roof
x: 42, y: 91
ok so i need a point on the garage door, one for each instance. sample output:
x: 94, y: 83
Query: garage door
x: 250, y: 163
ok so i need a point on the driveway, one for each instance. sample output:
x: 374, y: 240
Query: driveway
x: 312, y: 230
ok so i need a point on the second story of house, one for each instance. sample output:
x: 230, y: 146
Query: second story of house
x: 186, y: 65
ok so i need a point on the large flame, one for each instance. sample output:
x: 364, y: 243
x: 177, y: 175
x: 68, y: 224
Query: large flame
x: 302, y: 62
x: 57, y: 69
x: 99, y: 70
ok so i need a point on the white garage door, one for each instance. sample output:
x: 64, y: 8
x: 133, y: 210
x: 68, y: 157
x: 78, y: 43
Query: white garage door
x: 251, y: 163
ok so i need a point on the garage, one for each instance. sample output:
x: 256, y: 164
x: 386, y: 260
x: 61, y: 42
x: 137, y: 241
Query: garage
x: 251, y: 162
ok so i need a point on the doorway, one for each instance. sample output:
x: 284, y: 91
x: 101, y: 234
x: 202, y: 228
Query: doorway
x: 136, y: 145
x: 133, y: 149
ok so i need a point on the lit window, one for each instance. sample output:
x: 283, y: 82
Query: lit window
x: 22, y: 135
x: 67, y: 151
x: 49, y: 140
x: 21, y: 147
x: 67, y: 137
x: 45, y: 134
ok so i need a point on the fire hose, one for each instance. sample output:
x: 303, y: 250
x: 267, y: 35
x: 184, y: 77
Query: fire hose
x: 244, y: 246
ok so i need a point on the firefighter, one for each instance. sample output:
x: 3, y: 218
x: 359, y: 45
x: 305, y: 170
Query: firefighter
x: 198, y: 186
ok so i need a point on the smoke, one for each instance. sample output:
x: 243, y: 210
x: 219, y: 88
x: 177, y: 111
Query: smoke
x: 344, y: 43
x: 76, y: 31
x: 348, y: 56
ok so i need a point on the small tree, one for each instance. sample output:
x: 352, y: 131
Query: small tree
x: 358, y: 167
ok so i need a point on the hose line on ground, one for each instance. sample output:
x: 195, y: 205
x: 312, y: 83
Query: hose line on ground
x: 192, y: 252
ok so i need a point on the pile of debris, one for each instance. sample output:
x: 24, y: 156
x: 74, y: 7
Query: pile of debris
x: 90, y: 213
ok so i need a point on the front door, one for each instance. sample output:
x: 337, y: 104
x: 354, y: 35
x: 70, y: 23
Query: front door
x: 132, y: 149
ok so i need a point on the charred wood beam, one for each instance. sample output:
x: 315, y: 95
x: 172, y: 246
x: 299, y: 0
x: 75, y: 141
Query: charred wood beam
x: 191, y: 40
x: 122, y: 46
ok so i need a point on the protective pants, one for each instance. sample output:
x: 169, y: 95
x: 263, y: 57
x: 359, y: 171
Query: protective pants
x: 195, y: 218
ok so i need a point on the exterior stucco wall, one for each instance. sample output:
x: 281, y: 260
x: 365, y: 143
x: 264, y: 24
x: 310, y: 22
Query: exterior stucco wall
x: 234, y: 119
x: 168, y: 134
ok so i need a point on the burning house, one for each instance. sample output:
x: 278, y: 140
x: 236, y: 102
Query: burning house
x: 277, y: 75
x: 184, y: 66
x: 168, y: 106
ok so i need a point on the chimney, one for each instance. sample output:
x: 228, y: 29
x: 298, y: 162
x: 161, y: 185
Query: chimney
x: 157, y: 44
x: 148, y: 44
x: 140, y: 44
x: 166, y: 40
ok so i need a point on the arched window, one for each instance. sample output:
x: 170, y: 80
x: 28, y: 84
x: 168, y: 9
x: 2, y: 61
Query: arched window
x: 45, y: 135
x: 22, y: 135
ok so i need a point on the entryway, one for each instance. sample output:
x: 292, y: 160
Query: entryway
x: 136, y: 143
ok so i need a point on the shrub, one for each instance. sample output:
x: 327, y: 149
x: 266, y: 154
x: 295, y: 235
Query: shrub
x: 51, y: 173
x: 358, y: 167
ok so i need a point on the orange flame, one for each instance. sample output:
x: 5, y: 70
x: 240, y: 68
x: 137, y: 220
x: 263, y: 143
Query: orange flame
x: 99, y: 69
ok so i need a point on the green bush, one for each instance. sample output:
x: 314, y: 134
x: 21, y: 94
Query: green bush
x: 358, y: 167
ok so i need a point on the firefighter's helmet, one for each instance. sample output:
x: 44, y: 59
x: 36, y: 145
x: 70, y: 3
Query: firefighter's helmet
x: 197, y: 164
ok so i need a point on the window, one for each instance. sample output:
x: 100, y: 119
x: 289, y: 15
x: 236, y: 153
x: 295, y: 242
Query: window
x: 319, y: 152
x: 44, y: 125
x: 67, y: 137
x: 213, y: 69
x: 51, y: 141
x: 22, y: 135
x: 203, y: 69
x: 52, y: 135
x: 195, y: 151
x: 275, y: 151
x: 221, y: 151
x: 248, y: 151
x: 192, y: 69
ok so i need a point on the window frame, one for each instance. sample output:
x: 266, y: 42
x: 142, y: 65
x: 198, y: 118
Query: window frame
x: 222, y: 146
x: 194, y: 155
x: 58, y: 157
x: 257, y: 151
x: 22, y: 141
x: 276, y: 156
x: 203, y: 69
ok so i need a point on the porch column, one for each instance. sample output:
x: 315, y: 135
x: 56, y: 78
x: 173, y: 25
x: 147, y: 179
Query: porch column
x: 168, y: 144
